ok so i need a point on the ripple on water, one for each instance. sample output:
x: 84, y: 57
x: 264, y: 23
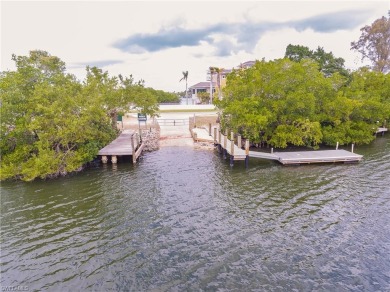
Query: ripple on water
x: 184, y: 220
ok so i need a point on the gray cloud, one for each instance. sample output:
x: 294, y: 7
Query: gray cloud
x: 331, y: 22
x: 99, y: 64
x: 246, y: 33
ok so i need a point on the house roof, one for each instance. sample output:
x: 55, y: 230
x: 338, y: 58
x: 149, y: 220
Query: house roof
x: 247, y: 64
x: 205, y: 84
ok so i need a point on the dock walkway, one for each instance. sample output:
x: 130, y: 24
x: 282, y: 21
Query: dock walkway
x: 128, y: 143
x: 381, y: 131
x: 286, y: 158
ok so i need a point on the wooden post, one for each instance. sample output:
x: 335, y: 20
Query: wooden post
x: 225, y: 140
x: 247, y: 153
x: 195, y: 137
x: 114, y: 159
x: 215, y: 135
x: 352, y: 147
x: 209, y: 129
x: 239, y: 141
x: 133, y: 149
x: 219, y: 137
x: 225, y: 145
x: 337, y: 145
x: 272, y: 150
x: 232, y: 143
x: 104, y: 159
x: 194, y: 122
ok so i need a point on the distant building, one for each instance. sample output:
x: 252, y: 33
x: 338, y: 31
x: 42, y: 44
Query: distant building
x: 200, y: 87
x: 247, y: 64
x: 213, y: 79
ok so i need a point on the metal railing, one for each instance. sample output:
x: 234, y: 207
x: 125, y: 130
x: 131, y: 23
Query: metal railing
x: 173, y: 122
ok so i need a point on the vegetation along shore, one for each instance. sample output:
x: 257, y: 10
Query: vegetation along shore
x: 53, y: 124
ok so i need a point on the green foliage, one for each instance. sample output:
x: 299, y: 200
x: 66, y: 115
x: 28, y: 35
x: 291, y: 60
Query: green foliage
x: 51, y: 124
x: 204, y: 97
x: 285, y: 102
x: 327, y: 62
x: 164, y: 97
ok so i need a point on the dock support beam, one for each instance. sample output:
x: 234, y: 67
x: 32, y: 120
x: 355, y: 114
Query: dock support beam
x: 232, y: 143
x: 104, y: 159
x: 247, y: 153
x: 225, y: 144
x: 114, y: 159
x: 231, y: 148
x: 133, y: 152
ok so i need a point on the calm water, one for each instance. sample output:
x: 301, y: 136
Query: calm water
x: 183, y: 220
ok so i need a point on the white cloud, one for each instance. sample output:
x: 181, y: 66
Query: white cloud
x: 85, y: 33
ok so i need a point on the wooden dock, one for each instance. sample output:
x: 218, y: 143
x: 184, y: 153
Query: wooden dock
x: 227, y: 146
x: 317, y: 156
x: 128, y: 143
x: 381, y: 131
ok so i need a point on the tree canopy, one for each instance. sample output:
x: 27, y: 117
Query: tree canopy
x: 284, y: 102
x: 328, y: 64
x: 374, y: 43
x: 52, y: 124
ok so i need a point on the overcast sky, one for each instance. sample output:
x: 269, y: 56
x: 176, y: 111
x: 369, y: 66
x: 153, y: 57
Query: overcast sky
x: 156, y: 41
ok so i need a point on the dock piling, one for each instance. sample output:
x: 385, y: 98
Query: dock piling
x: 232, y: 143
x: 133, y: 148
x: 247, y: 153
x: 225, y: 144
x: 114, y: 159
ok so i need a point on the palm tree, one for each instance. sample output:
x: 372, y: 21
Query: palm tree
x: 212, y: 71
x: 185, y: 77
x: 219, y: 71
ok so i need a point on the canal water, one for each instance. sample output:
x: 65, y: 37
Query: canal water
x: 184, y: 220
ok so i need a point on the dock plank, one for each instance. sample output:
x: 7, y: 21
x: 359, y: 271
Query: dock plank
x: 317, y: 156
x: 120, y: 146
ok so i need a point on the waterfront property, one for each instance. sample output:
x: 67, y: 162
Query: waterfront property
x: 200, y: 87
x: 127, y: 144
